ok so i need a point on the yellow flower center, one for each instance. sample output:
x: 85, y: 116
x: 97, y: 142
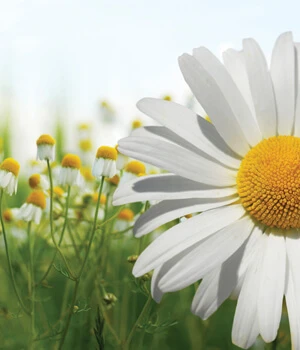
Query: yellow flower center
x: 10, y: 165
x: 7, y: 215
x: 107, y: 153
x: 71, y: 161
x: 37, y: 198
x: 102, y: 198
x: 126, y: 214
x: 268, y: 182
x: 87, y: 173
x: 135, y: 167
x: 136, y: 124
x: 45, y: 140
x: 114, y: 180
x: 34, y: 180
x: 85, y: 145
x: 58, y: 191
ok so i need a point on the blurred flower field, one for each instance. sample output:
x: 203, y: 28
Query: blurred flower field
x: 70, y: 285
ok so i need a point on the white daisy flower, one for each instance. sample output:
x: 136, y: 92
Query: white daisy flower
x: 242, y: 172
x: 70, y: 171
x: 45, y: 147
x: 33, y: 208
x: 39, y: 182
x: 124, y: 220
x: 9, y: 171
x: 105, y: 162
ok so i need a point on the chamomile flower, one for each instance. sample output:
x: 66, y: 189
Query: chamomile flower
x: 33, y: 208
x: 105, y: 162
x: 242, y: 173
x: 10, y: 214
x: 125, y: 219
x: 70, y: 170
x: 45, y: 147
x: 38, y: 182
x: 132, y: 170
x: 9, y: 171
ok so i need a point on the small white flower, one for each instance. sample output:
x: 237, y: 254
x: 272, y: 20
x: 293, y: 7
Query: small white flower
x: 70, y: 171
x: 133, y: 170
x: 105, y: 162
x: 45, y: 147
x: 33, y: 208
x: 38, y: 182
x: 9, y: 170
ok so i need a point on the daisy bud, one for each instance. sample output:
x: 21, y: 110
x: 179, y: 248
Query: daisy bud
x: 105, y: 162
x: 38, y: 182
x: 45, y: 147
x: 122, y: 160
x: 132, y: 259
x: 70, y: 170
x: 9, y: 171
x: 109, y: 299
x: 33, y: 208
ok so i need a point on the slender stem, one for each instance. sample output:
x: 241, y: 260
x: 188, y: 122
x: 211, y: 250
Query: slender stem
x: 52, y: 226
x: 142, y: 314
x: 274, y: 344
x: 31, y: 282
x: 71, y: 311
x: 94, y: 227
x: 9, y: 261
x: 61, y: 236
x: 77, y: 280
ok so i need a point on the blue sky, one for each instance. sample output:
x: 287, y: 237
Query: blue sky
x: 82, y: 51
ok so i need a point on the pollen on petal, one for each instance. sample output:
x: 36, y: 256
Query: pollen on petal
x: 71, y: 161
x: 10, y: 165
x: 45, y: 139
x: 135, y: 167
x: 37, y: 198
x: 107, y: 152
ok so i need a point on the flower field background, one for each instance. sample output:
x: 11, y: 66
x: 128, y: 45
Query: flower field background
x: 106, y: 307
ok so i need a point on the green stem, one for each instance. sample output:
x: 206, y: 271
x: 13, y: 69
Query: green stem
x: 9, y: 261
x: 31, y: 282
x: 61, y: 236
x: 141, y: 316
x: 274, y: 344
x: 94, y: 227
x: 77, y: 280
x: 52, y: 226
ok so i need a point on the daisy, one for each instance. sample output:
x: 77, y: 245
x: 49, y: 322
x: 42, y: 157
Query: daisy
x: 133, y: 170
x: 9, y: 171
x: 105, y: 162
x: 70, y: 170
x: 38, y: 182
x: 33, y: 208
x: 45, y: 147
x: 242, y: 172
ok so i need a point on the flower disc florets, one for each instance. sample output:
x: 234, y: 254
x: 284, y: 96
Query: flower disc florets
x: 45, y: 147
x: 9, y: 171
x: 269, y: 182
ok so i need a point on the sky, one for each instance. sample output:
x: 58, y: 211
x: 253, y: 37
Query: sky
x: 74, y: 53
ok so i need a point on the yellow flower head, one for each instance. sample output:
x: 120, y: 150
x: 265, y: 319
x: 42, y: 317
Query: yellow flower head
x: 114, y: 180
x: 71, y: 161
x: 86, y: 172
x: 85, y: 145
x: 126, y: 214
x: 10, y: 165
x: 135, y: 167
x: 34, y: 181
x: 45, y: 139
x: 58, y: 191
x: 37, y: 198
x: 102, y: 198
x: 137, y: 123
x: 107, y: 152
x: 7, y: 215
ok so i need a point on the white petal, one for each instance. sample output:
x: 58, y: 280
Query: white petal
x: 271, y: 286
x: 234, y: 61
x: 207, y: 255
x: 245, y: 325
x: 231, y: 93
x: 293, y: 307
x: 156, y: 293
x: 216, y: 287
x: 184, y: 235
x: 188, y: 125
x: 167, y: 211
x: 166, y: 186
x: 211, y: 97
x: 297, y: 112
x: 261, y: 87
x: 177, y: 160
x: 283, y: 77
